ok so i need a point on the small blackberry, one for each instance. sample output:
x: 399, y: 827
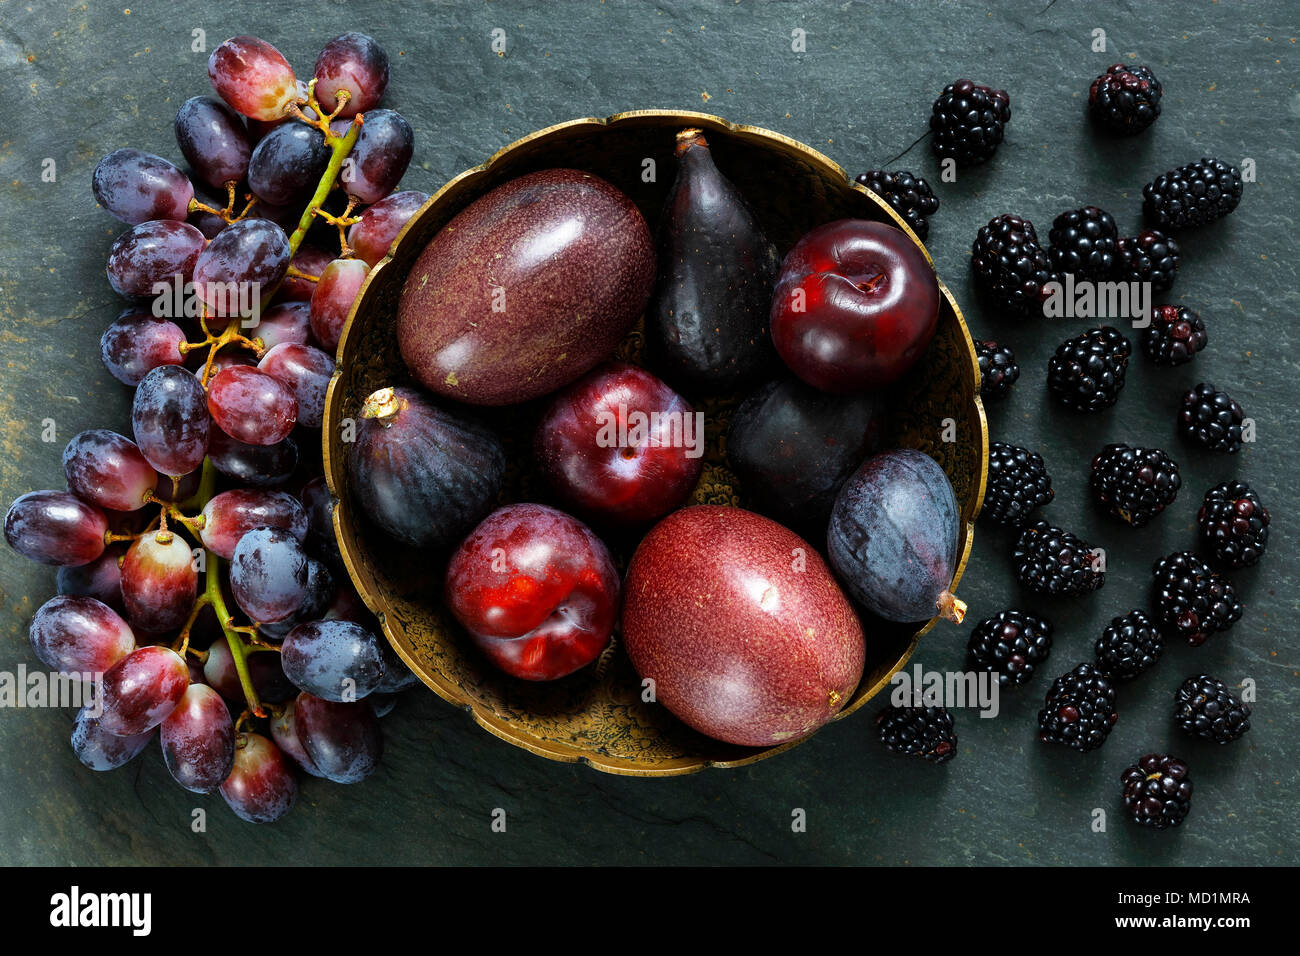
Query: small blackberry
x: 918, y: 731
x: 1018, y: 484
x: 968, y: 122
x: 1009, y: 645
x: 1087, y: 371
x: 1125, y: 99
x: 1192, y: 195
x: 1085, y: 242
x: 1011, y: 268
x: 998, y: 369
x: 1079, y: 711
x: 1174, y: 336
x: 907, y: 195
x: 1205, y: 707
x: 1128, y: 646
x: 1157, y: 791
x: 1052, y: 561
x: 1234, y: 524
x: 1134, y: 484
x: 1211, y: 418
x: 1150, y: 256
x: 1190, y: 600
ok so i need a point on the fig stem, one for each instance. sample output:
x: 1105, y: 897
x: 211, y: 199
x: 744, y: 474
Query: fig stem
x: 383, y: 406
x: 690, y: 137
x: 951, y: 607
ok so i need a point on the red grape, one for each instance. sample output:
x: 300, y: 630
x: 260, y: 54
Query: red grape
x: 232, y: 514
x: 176, y: 492
x: 136, y: 187
x: 373, y: 235
x: 246, y: 259
x: 170, y: 420
x: 141, y: 689
x: 55, y: 527
x: 284, y: 731
x: 159, y: 582
x: 268, y: 574
x: 264, y: 466
x: 251, y: 406
x: 152, y: 253
x: 306, y: 372
x: 352, y: 62
x: 72, y: 634
x: 311, y: 260
x: 286, y: 322
x: 224, y: 360
x: 107, y: 470
x: 136, y: 343
x: 261, y: 788
x: 335, y: 660
x: 332, y: 301
x: 253, y: 77
x: 198, y: 740
x: 98, y: 749
x: 343, y: 740
x: 213, y: 141
x: 101, y: 579
x: 379, y: 159
x: 288, y: 163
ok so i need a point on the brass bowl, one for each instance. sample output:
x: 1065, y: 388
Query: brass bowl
x: 597, y: 716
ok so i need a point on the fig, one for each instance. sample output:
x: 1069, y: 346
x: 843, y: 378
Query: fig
x: 707, y: 322
x: 426, y: 476
x: 893, y: 537
x: 741, y: 626
x: 526, y: 289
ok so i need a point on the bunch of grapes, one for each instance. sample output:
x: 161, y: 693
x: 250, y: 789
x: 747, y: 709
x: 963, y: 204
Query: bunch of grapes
x: 200, y: 584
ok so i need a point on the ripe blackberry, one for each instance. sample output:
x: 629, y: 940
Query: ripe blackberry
x: 1087, y: 371
x: 1079, y: 710
x: 918, y: 731
x: 1086, y: 242
x: 1134, y: 484
x: 1052, y: 561
x: 1011, y: 268
x: 968, y: 121
x: 907, y: 195
x: 1157, y: 791
x: 1009, y: 645
x: 998, y: 369
x: 1018, y: 484
x: 1205, y: 707
x: 1128, y: 646
x: 1150, y: 256
x: 1234, y: 524
x: 1190, y: 600
x: 1125, y: 99
x: 1211, y: 418
x: 1174, y: 336
x: 1192, y: 195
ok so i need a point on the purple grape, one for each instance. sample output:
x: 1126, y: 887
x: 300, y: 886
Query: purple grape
x: 213, y: 140
x: 264, y: 670
x: 101, y: 579
x: 170, y: 420
x: 176, y: 492
x: 137, y: 343
x: 382, y: 703
x: 72, y: 634
x: 208, y: 223
x: 284, y: 731
x: 320, y: 595
x: 373, y: 235
x: 252, y: 406
x: 246, y: 259
x: 319, y: 506
x: 268, y: 574
x: 288, y: 163
x: 153, y: 253
x: 334, y: 660
x: 261, y: 788
x: 159, y: 582
x: 379, y: 159
x: 136, y: 187
x: 397, y: 675
x: 311, y: 260
x: 141, y: 689
x: 55, y: 527
x: 98, y: 749
x: 198, y: 740
x: 107, y: 470
x: 285, y: 323
x: 264, y: 466
x: 306, y: 371
x: 230, y: 515
x: 344, y: 741
x: 253, y: 77
x: 352, y: 62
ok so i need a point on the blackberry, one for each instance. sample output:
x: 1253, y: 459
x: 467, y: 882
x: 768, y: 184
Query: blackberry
x: 918, y: 731
x: 1011, y: 268
x: 1150, y: 256
x: 1204, y: 707
x: 1009, y: 645
x: 1018, y: 484
x: 1234, y: 524
x: 998, y: 369
x: 907, y: 195
x: 1086, y: 242
x: 1174, y: 336
x: 1157, y: 791
x: 1087, y: 371
x: 1128, y: 646
x: 1211, y: 418
x: 1134, y: 484
x: 968, y: 121
x: 1079, y: 710
x: 1052, y: 561
x: 1192, y: 195
x: 1125, y: 99
x: 1191, y: 601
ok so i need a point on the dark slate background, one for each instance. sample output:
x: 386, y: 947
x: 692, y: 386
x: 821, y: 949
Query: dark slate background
x: 80, y: 80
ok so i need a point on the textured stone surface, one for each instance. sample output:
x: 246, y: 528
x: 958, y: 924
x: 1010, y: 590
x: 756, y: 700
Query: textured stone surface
x: 80, y: 82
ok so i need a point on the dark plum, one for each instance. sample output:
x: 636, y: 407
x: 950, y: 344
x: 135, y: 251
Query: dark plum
x: 332, y: 659
x: 213, y: 140
x: 170, y: 420
x: 227, y: 517
x: 55, y: 527
x: 261, y: 787
x: 159, y: 582
x: 268, y: 574
x: 151, y: 253
x: 288, y: 162
x: 380, y: 157
x: 73, y: 634
x: 136, y: 186
x: 198, y: 740
x: 137, y: 343
x: 423, y: 474
x: 352, y: 62
x: 141, y: 689
x: 344, y: 741
x: 306, y: 372
x: 251, y: 406
x: 373, y: 235
x: 246, y: 260
x: 264, y: 466
x: 100, y: 750
x: 107, y: 470
x: 894, y: 535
